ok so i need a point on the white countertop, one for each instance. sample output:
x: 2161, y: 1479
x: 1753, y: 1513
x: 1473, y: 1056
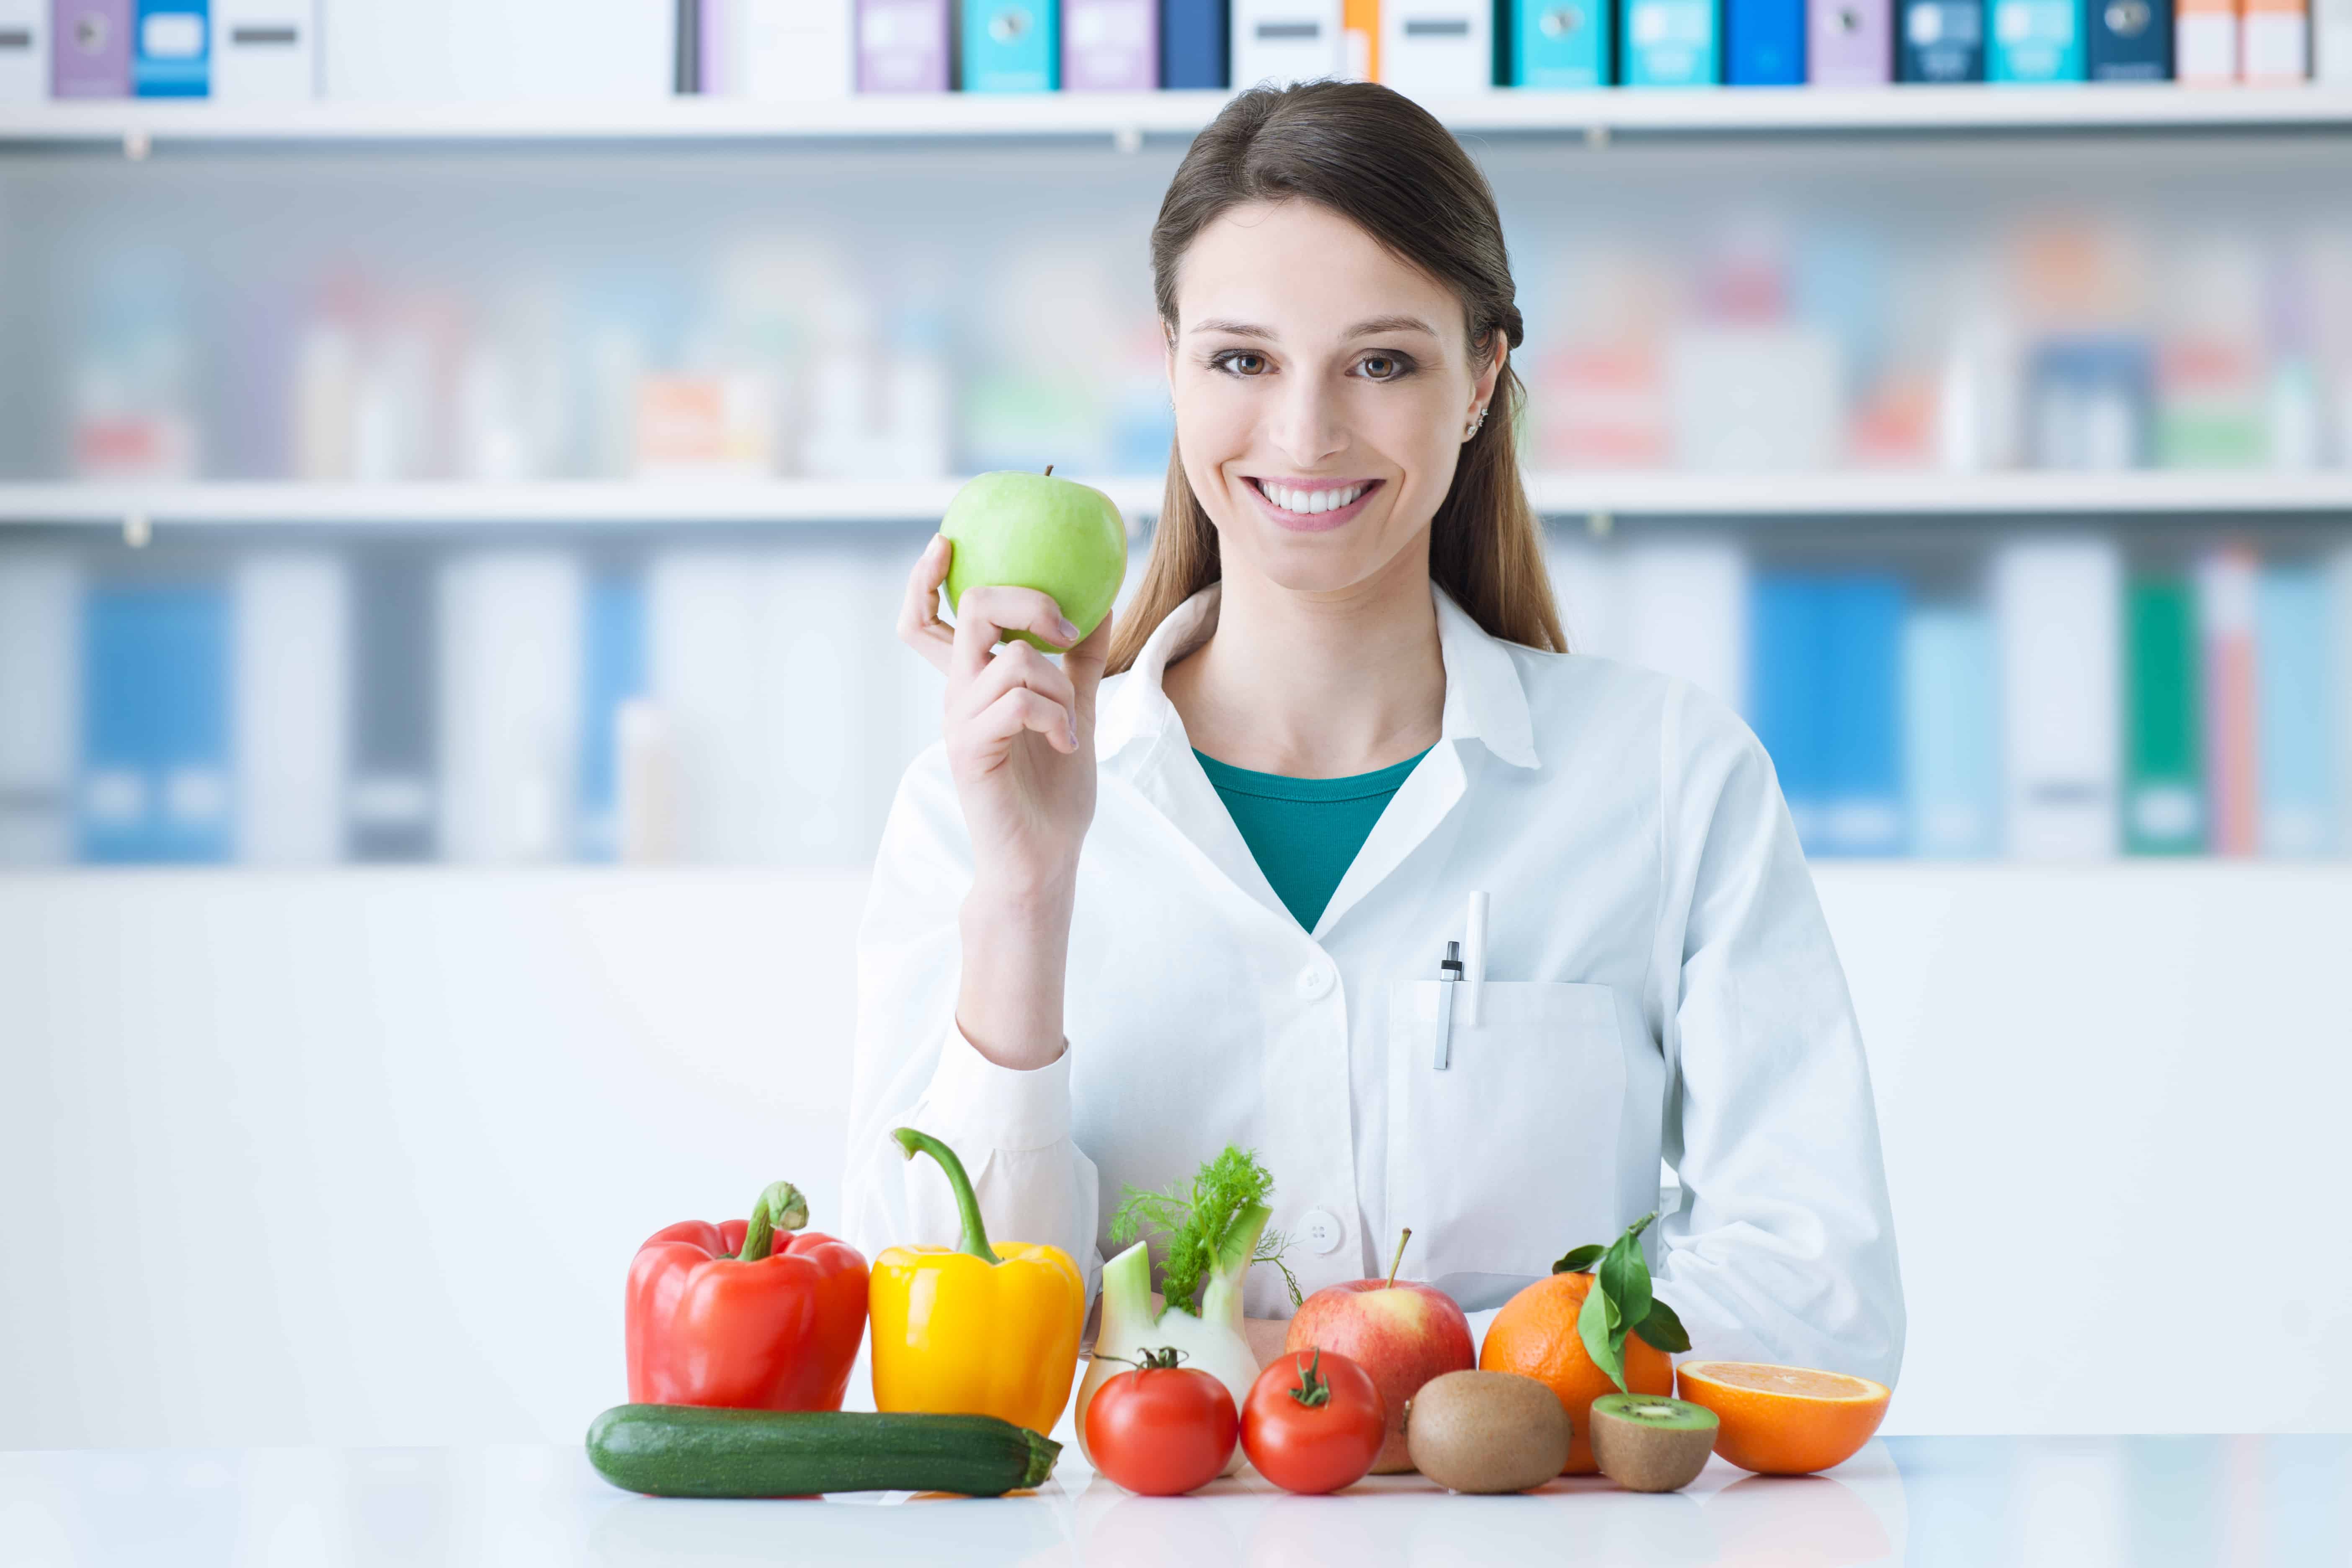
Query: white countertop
x: 2078, y: 1501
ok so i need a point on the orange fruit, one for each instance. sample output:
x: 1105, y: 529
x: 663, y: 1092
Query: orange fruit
x: 1785, y: 1420
x: 1535, y: 1336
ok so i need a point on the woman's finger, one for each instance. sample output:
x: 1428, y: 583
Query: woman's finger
x: 919, y: 626
x: 986, y: 613
x: 1084, y: 666
x: 1021, y: 709
x: 1017, y: 665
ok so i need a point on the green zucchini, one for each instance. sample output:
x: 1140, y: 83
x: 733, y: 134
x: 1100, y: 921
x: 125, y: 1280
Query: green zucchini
x: 687, y: 1450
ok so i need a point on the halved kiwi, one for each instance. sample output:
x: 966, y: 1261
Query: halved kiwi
x: 1646, y: 1442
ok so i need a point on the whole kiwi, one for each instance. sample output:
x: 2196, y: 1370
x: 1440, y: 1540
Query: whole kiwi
x: 1647, y: 1443
x: 1487, y: 1432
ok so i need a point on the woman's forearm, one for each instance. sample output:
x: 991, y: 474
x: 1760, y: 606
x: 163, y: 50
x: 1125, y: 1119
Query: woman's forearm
x: 1016, y: 957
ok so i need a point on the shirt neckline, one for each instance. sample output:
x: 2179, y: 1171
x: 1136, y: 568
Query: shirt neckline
x: 1282, y: 786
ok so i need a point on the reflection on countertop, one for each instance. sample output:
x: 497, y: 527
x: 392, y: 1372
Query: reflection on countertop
x: 2081, y: 1501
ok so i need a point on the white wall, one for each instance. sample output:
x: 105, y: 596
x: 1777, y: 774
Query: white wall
x: 360, y: 1156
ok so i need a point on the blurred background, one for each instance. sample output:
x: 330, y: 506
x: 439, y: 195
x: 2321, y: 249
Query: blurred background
x: 455, y: 493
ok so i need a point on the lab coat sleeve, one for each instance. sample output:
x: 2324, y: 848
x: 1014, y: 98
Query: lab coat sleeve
x: 1782, y: 1248
x: 915, y: 1068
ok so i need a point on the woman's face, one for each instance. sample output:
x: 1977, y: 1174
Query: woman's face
x: 1323, y: 388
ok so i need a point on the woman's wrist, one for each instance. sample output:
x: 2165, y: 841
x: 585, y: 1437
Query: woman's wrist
x: 1016, y: 948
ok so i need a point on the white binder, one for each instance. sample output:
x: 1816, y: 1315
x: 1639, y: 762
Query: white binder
x: 1285, y: 41
x: 499, y: 51
x: 24, y: 51
x: 2331, y: 41
x: 40, y: 704
x: 1437, y: 48
x: 265, y: 51
x: 2057, y: 607
x: 778, y: 50
x: 291, y: 705
x: 511, y: 699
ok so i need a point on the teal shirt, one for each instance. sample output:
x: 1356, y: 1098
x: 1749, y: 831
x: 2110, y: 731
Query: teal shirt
x: 1303, y: 832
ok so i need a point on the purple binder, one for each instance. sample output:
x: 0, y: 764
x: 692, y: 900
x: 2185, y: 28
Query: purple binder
x: 1110, y: 46
x: 90, y: 48
x: 1851, y: 43
x: 902, y: 45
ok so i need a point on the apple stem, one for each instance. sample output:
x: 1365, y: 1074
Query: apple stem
x: 1049, y: 470
x: 1398, y: 1261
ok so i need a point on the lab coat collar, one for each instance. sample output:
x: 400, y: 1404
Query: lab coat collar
x: 1485, y: 701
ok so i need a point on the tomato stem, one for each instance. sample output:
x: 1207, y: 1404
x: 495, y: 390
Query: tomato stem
x: 1314, y: 1390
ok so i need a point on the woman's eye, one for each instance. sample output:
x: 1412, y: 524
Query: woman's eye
x: 1242, y: 362
x: 1385, y: 367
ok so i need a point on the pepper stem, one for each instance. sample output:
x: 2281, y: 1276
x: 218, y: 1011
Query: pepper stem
x: 781, y: 1207
x: 975, y: 1235
x: 1398, y: 1261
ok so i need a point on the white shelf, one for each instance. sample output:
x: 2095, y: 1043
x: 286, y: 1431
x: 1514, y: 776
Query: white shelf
x: 623, y: 503
x: 1125, y: 119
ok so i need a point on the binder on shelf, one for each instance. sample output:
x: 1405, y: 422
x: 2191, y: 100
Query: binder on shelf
x: 1684, y: 610
x: 776, y: 51
x: 1670, y: 43
x: 90, y: 48
x: 2296, y: 765
x: 687, y: 48
x: 1286, y: 41
x: 510, y: 704
x: 2205, y: 41
x: 1951, y: 731
x: 1850, y: 43
x: 1011, y: 45
x: 24, y: 51
x: 2274, y: 41
x: 2164, y: 766
x: 1764, y: 43
x: 2131, y: 40
x: 2036, y: 41
x: 171, y: 49
x: 1437, y: 48
x: 392, y: 804
x: 612, y: 678
x: 906, y: 46
x: 1110, y: 46
x: 1941, y: 40
x: 1195, y: 45
x: 499, y: 51
x: 293, y: 694
x: 1360, y: 39
x: 40, y: 705
x: 2331, y: 41
x: 155, y: 700
x: 1560, y: 43
x: 2226, y: 584
x: 2056, y: 607
x: 265, y: 51
x: 1864, y: 711
x: 1789, y: 652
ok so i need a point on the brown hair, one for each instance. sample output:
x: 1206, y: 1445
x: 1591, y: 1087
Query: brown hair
x: 1376, y: 157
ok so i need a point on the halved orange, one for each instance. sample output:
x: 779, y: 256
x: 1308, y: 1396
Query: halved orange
x: 1784, y: 1420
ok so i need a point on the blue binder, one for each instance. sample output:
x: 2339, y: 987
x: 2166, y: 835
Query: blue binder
x: 1951, y: 731
x: 155, y: 779
x: 1671, y: 42
x: 612, y: 672
x: 1862, y: 674
x: 2036, y: 40
x: 1764, y: 43
x: 1560, y: 43
x: 2131, y: 40
x: 1941, y: 40
x: 171, y: 49
x: 1194, y: 42
x: 2295, y: 712
x: 1012, y: 46
x: 1788, y: 626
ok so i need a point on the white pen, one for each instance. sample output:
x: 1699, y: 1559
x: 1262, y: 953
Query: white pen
x: 1449, y: 977
x: 1474, y: 964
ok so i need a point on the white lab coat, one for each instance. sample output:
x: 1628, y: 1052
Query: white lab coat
x: 1661, y: 987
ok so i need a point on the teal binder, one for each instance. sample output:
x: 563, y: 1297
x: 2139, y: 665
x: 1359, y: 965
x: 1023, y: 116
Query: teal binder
x: 2036, y: 40
x: 1012, y: 46
x: 1673, y: 43
x: 1560, y: 43
x: 2295, y: 712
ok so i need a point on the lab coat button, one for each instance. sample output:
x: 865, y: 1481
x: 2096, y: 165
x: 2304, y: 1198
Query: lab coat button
x: 1314, y: 980
x: 1319, y: 1228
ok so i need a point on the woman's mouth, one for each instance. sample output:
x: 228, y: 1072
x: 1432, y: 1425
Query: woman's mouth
x: 1314, y: 505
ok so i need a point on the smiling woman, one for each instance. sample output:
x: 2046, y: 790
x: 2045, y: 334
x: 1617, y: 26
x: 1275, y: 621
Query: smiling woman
x: 1188, y: 888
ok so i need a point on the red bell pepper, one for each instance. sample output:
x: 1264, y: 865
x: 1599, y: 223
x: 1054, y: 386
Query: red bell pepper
x: 722, y: 1315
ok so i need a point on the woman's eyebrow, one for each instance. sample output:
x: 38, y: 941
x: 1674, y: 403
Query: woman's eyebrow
x: 1373, y: 328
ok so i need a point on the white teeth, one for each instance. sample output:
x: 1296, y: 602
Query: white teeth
x: 1308, y: 504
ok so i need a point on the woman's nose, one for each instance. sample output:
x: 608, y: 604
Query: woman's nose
x: 1308, y: 423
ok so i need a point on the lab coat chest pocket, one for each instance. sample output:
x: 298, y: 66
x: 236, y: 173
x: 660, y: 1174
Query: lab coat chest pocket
x: 1508, y: 1157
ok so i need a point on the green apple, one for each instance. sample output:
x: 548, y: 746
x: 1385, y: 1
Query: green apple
x: 1033, y: 531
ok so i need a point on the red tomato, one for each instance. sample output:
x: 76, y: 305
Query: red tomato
x: 1314, y: 1422
x: 1162, y: 1429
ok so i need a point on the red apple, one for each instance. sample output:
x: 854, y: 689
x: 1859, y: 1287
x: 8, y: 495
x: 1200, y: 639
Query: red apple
x: 1403, y: 1333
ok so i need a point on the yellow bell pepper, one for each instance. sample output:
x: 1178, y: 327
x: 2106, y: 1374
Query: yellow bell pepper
x: 975, y: 1330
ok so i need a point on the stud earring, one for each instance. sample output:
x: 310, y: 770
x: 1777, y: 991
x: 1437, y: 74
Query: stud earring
x: 1476, y: 422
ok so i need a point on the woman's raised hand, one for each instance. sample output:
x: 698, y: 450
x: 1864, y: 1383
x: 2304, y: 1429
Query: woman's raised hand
x: 1019, y: 728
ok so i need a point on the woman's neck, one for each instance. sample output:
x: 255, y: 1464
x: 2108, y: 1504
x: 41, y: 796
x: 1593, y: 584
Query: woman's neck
x: 1317, y: 686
